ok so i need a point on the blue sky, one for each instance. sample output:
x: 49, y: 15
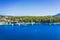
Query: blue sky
x: 29, y: 7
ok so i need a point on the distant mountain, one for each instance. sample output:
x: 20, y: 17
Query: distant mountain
x: 57, y: 14
x: 2, y: 15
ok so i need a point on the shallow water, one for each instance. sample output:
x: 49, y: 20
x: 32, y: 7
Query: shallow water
x: 30, y: 32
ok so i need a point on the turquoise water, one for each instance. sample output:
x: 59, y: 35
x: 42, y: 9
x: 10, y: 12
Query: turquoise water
x: 30, y: 32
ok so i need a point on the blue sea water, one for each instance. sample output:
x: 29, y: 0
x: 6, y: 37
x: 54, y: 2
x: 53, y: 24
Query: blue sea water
x: 30, y: 32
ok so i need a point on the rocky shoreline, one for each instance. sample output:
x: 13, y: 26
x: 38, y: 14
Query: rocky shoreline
x: 3, y: 23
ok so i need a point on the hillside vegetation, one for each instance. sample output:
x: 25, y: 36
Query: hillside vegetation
x: 36, y: 19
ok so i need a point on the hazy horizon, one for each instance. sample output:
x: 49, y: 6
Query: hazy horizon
x: 29, y: 7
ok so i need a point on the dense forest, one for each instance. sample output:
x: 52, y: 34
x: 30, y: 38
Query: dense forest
x: 36, y: 19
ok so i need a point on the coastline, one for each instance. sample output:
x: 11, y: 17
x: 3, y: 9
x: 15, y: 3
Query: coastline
x: 3, y: 23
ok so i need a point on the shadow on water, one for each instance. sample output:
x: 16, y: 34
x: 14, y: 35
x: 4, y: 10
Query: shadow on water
x: 30, y: 32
